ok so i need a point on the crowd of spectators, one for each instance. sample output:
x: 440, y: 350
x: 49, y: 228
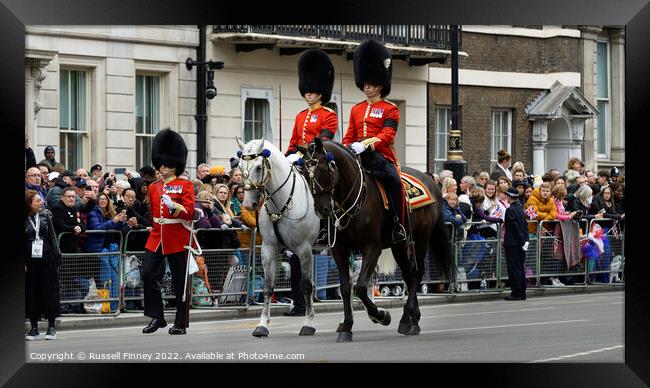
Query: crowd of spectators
x: 83, y: 205
x: 575, y: 194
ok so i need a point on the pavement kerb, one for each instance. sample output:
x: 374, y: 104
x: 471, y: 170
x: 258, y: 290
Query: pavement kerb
x: 204, y: 314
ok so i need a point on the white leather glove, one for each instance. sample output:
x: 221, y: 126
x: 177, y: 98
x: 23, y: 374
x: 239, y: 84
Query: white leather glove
x: 358, y: 147
x: 525, y: 247
x: 168, y: 202
x: 292, y: 158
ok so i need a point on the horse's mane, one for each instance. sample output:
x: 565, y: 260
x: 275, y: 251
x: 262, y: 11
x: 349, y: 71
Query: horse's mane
x: 344, y: 150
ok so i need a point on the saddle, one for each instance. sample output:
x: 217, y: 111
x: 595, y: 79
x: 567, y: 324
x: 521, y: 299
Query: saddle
x: 416, y: 193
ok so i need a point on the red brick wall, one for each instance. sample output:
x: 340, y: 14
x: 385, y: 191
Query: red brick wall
x: 476, y: 104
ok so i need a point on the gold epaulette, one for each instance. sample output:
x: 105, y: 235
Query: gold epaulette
x: 392, y: 103
x: 329, y: 109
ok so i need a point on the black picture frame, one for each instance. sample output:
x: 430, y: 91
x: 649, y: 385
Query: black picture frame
x: 635, y: 15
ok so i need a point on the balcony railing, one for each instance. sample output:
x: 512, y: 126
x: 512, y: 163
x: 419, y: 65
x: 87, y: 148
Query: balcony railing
x: 419, y: 35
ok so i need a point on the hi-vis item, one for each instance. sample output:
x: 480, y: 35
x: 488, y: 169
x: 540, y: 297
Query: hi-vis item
x: 37, y: 244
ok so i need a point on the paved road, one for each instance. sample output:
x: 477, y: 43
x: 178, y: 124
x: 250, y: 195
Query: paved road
x: 568, y: 328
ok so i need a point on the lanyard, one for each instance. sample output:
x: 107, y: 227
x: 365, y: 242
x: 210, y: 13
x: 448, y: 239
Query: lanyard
x: 36, y: 226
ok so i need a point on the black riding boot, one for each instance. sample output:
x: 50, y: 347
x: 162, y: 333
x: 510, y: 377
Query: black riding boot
x: 394, y: 191
x: 322, y: 240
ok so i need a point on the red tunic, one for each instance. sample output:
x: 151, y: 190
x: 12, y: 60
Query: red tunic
x: 311, y: 123
x: 172, y: 236
x: 374, y: 125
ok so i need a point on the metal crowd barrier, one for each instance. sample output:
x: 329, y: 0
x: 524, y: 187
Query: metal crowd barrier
x: 228, y: 271
x: 77, y: 270
x: 610, y: 265
x: 236, y: 277
x: 433, y: 274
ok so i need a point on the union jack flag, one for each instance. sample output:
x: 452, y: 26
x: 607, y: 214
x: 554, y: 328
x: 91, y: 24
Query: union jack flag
x: 531, y: 213
x: 498, y: 214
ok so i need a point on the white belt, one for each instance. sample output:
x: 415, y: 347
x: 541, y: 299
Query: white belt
x: 162, y: 221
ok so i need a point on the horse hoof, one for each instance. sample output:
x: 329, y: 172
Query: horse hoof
x: 344, y: 336
x: 386, y: 320
x: 404, y: 327
x: 261, y: 331
x: 306, y: 330
x: 415, y: 330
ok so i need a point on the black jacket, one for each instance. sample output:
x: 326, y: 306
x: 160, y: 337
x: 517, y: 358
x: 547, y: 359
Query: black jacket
x: 137, y: 241
x: 65, y: 220
x: 574, y: 204
x: 516, y: 233
x: 610, y: 212
x: 51, y: 251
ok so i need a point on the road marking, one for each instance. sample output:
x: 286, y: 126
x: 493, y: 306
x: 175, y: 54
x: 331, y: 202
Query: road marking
x: 486, y: 312
x: 560, y: 358
x: 503, y: 326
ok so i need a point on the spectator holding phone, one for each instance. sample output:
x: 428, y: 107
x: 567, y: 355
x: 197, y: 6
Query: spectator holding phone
x: 103, y: 217
x: 604, y: 204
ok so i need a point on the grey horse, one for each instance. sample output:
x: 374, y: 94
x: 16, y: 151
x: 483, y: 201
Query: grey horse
x: 289, y: 204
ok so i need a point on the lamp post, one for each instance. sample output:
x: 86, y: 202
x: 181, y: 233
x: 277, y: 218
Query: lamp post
x: 204, y: 91
x: 455, y: 162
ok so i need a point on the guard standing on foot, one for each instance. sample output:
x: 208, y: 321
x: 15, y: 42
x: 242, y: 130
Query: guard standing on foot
x: 373, y: 125
x: 172, y: 207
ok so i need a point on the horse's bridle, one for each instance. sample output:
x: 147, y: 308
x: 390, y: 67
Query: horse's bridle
x: 261, y: 185
x: 248, y: 185
x: 315, y: 186
x: 311, y: 165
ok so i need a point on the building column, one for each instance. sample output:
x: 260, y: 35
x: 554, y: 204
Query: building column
x: 588, y: 47
x: 35, y: 73
x: 617, y: 71
x: 540, y: 138
x: 577, y: 137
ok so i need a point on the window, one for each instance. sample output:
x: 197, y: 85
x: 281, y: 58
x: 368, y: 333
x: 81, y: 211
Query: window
x: 443, y: 123
x: 603, y: 122
x: 501, y: 132
x: 73, y: 118
x: 147, y: 116
x: 257, y: 114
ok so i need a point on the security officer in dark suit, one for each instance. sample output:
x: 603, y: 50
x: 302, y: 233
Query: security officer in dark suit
x: 515, y: 243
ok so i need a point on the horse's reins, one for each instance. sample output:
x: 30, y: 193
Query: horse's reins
x: 248, y: 185
x: 336, y: 207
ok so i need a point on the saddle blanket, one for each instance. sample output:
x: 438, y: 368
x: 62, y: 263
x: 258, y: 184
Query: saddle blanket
x: 416, y: 192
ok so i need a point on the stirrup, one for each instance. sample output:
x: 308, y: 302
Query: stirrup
x: 398, y: 234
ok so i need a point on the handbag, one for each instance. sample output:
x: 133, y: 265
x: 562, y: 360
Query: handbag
x: 92, y: 307
x: 105, y: 293
x: 132, y: 272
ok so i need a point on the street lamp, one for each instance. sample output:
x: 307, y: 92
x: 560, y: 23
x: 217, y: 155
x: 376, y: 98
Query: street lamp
x: 204, y: 91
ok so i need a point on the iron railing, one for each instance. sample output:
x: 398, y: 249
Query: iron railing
x: 419, y: 35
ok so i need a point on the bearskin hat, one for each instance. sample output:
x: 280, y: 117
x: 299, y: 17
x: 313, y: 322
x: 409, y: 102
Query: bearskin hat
x: 169, y: 149
x: 316, y: 74
x: 373, y: 64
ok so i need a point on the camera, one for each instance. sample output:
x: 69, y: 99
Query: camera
x: 210, y: 90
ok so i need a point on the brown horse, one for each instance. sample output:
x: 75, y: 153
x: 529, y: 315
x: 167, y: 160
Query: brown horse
x: 348, y: 196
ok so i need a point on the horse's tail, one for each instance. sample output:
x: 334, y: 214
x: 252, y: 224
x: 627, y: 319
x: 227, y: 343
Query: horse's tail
x: 386, y: 264
x: 440, y: 249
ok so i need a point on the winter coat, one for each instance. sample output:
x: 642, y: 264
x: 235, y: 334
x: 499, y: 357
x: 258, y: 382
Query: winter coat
x: 248, y: 218
x: 545, y: 209
x: 481, y: 215
x: 97, y: 221
x: 65, y: 219
x: 562, y: 214
x: 51, y: 252
x: 610, y: 211
x: 449, y: 214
